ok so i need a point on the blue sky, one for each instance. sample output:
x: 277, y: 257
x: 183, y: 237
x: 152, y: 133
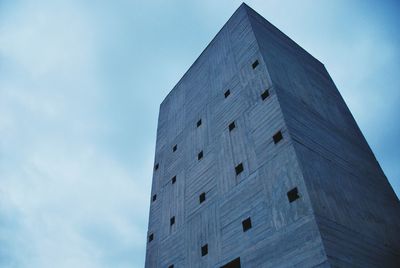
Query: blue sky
x: 80, y: 87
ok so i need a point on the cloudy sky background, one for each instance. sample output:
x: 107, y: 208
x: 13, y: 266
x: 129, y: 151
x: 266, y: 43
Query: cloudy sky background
x: 80, y: 86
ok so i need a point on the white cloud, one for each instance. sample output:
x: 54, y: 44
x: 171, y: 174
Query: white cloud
x: 55, y: 39
x: 61, y: 193
x: 64, y: 197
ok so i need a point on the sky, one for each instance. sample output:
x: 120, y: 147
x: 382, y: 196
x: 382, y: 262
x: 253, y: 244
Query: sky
x: 80, y: 87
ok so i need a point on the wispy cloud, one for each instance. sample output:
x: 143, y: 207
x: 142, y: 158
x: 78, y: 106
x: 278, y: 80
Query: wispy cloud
x: 64, y: 200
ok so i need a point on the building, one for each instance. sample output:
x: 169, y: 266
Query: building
x: 259, y: 163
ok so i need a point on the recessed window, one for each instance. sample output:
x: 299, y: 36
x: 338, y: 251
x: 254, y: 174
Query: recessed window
x: 204, y: 250
x: 232, y: 126
x: 198, y: 123
x: 232, y: 264
x: 255, y: 64
x: 151, y: 237
x: 265, y: 94
x: 200, y: 155
x: 156, y: 166
x: 277, y: 137
x: 173, y: 180
x: 175, y: 148
x: 239, y: 169
x: 202, y: 197
x: 172, y: 221
x: 227, y: 93
x: 171, y: 266
x: 293, y: 195
x: 154, y: 197
x: 246, y: 224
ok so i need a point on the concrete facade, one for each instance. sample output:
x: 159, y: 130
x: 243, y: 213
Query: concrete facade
x: 259, y: 158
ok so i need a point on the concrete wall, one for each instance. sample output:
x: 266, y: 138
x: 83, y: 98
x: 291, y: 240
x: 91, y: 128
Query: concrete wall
x: 316, y: 126
x: 357, y: 211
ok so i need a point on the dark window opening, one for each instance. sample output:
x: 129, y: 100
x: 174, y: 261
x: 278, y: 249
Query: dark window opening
x: 239, y: 169
x: 277, y: 137
x: 255, y: 64
x: 154, y: 197
x: 227, y: 93
x: 265, y: 94
x: 200, y: 155
x: 202, y: 197
x: 173, y: 179
x: 246, y: 224
x: 172, y: 221
x: 199, y: 123
x: 151, y: 237
x: 293, y: 195
x: 175, y: 148
x: 232, y: 264
x: 171, y: 266
x: 232, y: 126
x: 156, y: 166
x: 204, y: 250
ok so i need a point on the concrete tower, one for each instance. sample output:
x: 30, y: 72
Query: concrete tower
x: 259, y: 163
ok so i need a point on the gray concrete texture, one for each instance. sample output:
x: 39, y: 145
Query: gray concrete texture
x: 317, y: 197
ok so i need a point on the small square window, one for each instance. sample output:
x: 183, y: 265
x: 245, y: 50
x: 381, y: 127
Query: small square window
x: 173, y: 179
x: 156, y: 167
x: 232, y: 126
x: 175, y: 148
x: 239, y: 169
x: 232, y: 264
x: 265, y: 94
x: 277, y: 137
x: 171, y: 266
x: 246, y: 224
x: 154, y: 197
x: 202, y: 197
x: 255, y: 64
x: 199, y: 123
x: 172, y: 221
x: 204, y: 250
x: 151, y: 237
x: 293, y: 195
x: 227, y: 93
x: 200, y: 155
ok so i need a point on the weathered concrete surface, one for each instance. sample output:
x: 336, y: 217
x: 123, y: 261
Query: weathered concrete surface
x: 347, y: 215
